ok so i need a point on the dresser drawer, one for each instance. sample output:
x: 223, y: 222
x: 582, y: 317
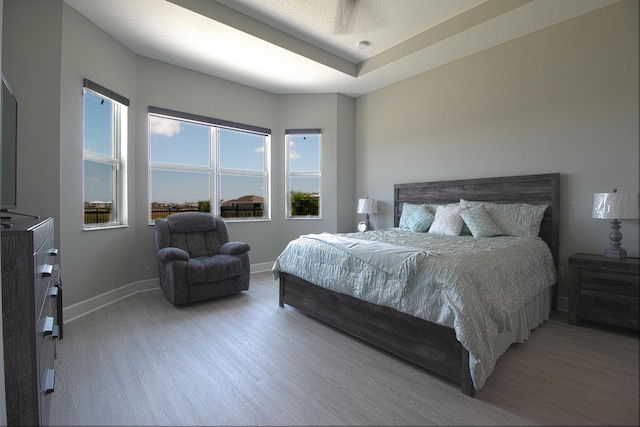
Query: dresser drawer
x: 47, y: 349
x: 44, y: 265
x: 46, y: 352
x: 44, y: 342
x: 46, y: 375
x: 610, y: 304
x: 610, y: 282
x: 42, y: 232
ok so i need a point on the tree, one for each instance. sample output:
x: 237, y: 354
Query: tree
x: 204, y: 206
x: 304, y: 204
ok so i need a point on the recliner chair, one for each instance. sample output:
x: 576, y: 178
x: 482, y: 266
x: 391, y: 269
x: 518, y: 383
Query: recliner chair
x: 196, y: 259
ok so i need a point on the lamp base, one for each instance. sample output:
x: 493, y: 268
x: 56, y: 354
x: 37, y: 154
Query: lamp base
x: 615, y: 253
x: 364, y: 225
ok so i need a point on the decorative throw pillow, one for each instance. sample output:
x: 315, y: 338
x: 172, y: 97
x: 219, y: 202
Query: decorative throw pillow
x: 479, y: 222
x: 420, y: 220
x: 447, y: 220
x: 514, y: 219
x: 409, y: 208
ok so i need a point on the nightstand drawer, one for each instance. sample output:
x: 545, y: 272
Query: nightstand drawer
x: 611, y: 304
x: 610, y: 282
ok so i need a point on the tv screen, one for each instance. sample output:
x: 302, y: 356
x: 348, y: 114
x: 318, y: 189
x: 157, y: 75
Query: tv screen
x: 9, y: 147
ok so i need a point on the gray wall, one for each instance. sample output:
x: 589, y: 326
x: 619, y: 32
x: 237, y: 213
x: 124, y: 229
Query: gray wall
x: 564, y: 99
x: 31, y: 62
x: 97, y: 261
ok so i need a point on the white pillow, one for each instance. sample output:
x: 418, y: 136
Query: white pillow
x: 447, y: 220
x: 514, y: 219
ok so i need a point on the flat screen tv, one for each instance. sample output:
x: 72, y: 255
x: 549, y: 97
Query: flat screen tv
x: 8, y: 196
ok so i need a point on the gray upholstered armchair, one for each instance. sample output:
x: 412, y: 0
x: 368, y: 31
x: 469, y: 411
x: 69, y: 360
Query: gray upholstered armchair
x: 197, y: 260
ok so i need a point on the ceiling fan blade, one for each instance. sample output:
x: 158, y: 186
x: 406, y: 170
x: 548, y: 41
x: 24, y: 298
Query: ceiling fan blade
x: 344, y: 15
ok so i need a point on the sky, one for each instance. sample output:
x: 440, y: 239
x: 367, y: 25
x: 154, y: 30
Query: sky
x: 174, y: 142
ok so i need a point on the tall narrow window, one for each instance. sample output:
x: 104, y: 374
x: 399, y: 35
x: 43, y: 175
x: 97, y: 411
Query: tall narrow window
x: 203, y: 164
x: 104, y: 157
x: 304, y: 175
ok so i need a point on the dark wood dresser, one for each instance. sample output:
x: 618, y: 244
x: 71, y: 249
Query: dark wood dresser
x: 604, y: 290
x: 30, y: 319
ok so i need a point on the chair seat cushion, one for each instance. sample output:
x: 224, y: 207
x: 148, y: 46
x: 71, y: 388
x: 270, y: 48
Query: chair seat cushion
x: 212, y: 269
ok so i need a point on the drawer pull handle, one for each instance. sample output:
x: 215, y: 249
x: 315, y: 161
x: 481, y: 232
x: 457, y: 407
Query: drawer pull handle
x: 53, y: 292
x: 48, y: 326
x: 53, y: 251
x: 46, y: 270
x: 51, y: 379
x: 612, y: 282
x: 613, y: 304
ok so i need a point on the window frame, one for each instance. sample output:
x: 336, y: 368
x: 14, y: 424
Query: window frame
x: 302, y: 174
x: 214, y: 169
x: 117, y: 160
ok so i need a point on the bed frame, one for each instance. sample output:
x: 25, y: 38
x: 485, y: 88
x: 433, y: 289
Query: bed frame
x: 426, y: 344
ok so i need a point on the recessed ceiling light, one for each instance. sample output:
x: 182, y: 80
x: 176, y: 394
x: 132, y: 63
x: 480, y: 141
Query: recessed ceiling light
x: 364, y: 44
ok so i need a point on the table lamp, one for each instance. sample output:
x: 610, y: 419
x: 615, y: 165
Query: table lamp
x: 615, y: 206
x: 366, y: 206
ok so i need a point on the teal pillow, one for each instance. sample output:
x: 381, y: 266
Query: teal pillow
x: 479, y: 222
x: 409, y: 208
x: 419, y: 220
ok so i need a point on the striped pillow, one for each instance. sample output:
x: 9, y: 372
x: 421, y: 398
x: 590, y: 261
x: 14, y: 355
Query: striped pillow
x: 420, y: 220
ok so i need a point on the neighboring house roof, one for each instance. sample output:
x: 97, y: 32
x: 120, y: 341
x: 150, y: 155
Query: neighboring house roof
x: 243, y: 199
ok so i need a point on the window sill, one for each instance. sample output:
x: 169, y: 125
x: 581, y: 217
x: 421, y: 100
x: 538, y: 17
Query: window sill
x: 105, y: 227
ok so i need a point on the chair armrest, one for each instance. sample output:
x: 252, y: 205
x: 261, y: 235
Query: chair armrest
x: 171, y: 254
x: 234, y: 248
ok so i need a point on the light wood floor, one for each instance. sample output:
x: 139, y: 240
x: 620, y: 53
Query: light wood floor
x: 242, y: 360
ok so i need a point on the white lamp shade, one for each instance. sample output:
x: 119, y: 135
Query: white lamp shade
x: 367, y: 206
x: 615, y: 205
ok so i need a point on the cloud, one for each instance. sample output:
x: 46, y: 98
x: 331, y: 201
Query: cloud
x: 162, y: 126
x: 259, y: 149
x: 293, y: 154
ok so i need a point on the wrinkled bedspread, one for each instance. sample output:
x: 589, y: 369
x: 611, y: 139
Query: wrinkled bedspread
x: 473, y: 285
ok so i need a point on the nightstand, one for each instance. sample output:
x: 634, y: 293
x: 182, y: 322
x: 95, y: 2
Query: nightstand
x: 604, y: 290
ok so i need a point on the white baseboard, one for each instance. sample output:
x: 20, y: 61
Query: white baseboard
x: 85, y: 307
x: 262, y: 267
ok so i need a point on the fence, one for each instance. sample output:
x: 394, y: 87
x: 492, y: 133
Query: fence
x: 97, y: 215
x: 165, y: 212
x: 243, y: 210
x: 237, y: 211
x: 304, y: 207
x: 103, y: 215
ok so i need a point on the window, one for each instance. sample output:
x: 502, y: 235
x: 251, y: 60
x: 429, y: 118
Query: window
x: 201, y: 164
x: 304, y: 177
x: 104, y: 157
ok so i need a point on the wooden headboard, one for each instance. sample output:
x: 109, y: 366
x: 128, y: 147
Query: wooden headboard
x: 532, y: 189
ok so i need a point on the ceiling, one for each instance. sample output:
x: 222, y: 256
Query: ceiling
x: 312, y: 46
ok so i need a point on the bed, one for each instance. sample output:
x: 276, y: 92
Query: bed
x: 434, y: 340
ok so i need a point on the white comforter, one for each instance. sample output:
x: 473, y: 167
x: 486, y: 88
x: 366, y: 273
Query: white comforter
x: 472, y: 285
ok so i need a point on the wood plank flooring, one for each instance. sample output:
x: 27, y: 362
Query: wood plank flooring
x: 242, y: 360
